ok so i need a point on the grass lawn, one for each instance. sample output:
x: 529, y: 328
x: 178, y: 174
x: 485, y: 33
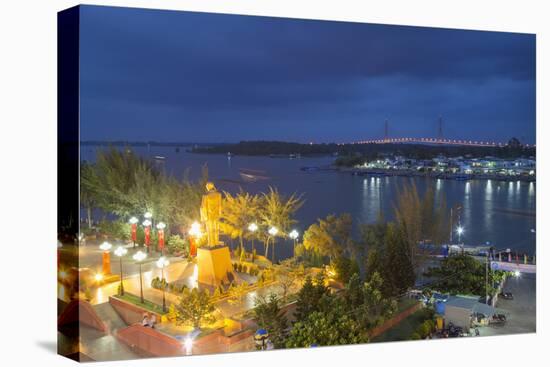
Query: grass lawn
x: 135, y: 300
x: 404, y: 329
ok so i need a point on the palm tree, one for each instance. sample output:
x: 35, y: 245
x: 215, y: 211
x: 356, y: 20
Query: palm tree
x: 237, y: 213
x: 278, y: 211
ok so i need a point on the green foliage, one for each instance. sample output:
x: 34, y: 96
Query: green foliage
x: 194, y: 308
x: 389, y: 257
x: 420, y: 219
x: 115, y: 229
x: 331, y: 236
x: 123, y: 184
x: 326, y: 328
x: 367, y: 301
x: 344, y: 268
x: 311, y: 297
x: 268, y: 315
x: 177, y: 245
x: 158, y: 283
x: 461, y: 274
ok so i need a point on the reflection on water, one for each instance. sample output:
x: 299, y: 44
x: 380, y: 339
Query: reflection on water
x: 489, y: 208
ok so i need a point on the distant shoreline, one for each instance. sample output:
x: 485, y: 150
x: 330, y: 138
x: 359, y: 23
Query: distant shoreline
x: 434, y: 175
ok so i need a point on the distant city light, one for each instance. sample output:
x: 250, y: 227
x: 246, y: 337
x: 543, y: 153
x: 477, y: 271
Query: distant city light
x: 161, y: 225
x: 293, y: 234
x: 517, y: 273
x: 133, y: 220
x: 98, y: 277
x: 146, y: 223
x: 148, y: 215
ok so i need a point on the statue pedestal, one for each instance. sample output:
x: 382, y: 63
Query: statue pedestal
x: 214, y: 264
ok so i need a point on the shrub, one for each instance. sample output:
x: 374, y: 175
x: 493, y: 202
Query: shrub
x: 415, y: 336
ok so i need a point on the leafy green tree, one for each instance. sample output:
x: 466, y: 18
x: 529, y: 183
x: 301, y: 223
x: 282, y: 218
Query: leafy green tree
x: 176, y: 244
x: 194, y: 308
x: 331, y: 237
x: 398, y: 272
x: 312, y: 297
x: 269, y: 316
x: 344, y: 268
x: 332, y: 328
x: 366, y: 301
x: 461, y: 274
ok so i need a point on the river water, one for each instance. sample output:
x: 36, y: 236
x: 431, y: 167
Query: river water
x: 495, y: 212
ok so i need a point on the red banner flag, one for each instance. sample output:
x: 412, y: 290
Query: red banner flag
x: 147, y: 235
x: 134, y: 232
x: 192, y: 246
x: 161, y: 239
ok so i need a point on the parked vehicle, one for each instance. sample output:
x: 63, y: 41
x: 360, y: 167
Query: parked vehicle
x: 506, y: 295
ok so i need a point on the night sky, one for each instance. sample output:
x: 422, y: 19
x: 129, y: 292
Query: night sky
x: 178, y: 76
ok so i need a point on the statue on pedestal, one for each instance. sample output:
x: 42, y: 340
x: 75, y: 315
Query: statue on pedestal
x: 211, y: 211
x: 214, y: 259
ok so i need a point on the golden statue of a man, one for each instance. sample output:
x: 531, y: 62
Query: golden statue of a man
x: 211, y: 211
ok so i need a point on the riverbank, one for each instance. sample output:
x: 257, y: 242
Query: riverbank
x: 436, y: 175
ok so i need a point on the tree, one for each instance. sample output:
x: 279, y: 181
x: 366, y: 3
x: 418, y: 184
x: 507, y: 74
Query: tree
x: 461, y: 274
x: 332, y: 328
x: 366, y: 301
x: 194, y: 308
x: 311, y: 297
x: 269, y: 316
x: 398, y: 271
x: 344, y: 268
x: 420, y: 219
x: 278, y: 211
x: 88, y: 187
x: 175, y: 245
x: 330, y: 236
x: 286, y: 275
x: 237, y: 213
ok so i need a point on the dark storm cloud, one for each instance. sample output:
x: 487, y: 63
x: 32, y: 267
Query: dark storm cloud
x: 257, y: 77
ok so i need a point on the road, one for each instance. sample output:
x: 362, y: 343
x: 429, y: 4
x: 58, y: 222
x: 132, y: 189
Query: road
x: 520, y: 312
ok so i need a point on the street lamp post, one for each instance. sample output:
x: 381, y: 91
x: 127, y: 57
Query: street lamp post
x: 121, y: 251
x: 253, y: 227
x: 294, y: 235
x: 148, y: 215
x: 272, y: 233
x: 106, y: 247
x: 147, y: 230
x: 160, y: 236
x: 133, y: 229
x: 162, y: 262
x: 139, y: 257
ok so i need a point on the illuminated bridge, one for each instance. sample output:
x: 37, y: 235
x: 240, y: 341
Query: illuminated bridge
x: 439, y: 140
